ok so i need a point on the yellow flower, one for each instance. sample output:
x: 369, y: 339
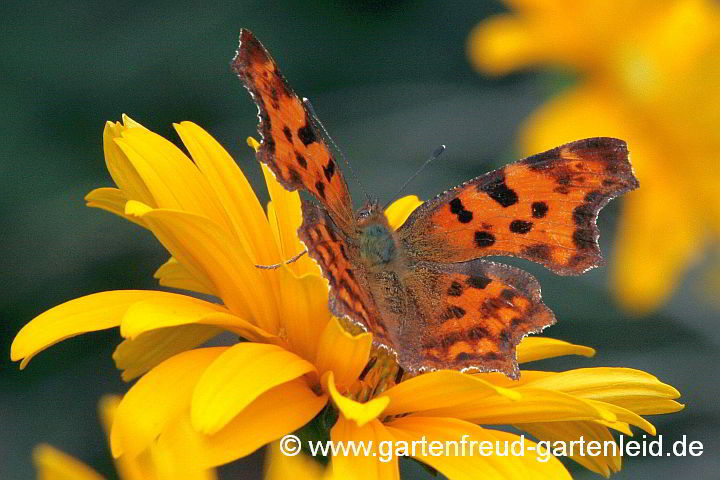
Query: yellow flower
x: 154, y: 464
x: 216, y: 404
x: 443, y: 406
x: 233, y: 399
x: 298, y: 467
x: 643, y: 78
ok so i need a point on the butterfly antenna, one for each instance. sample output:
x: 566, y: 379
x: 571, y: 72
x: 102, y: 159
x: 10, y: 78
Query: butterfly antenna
x: 286, y: 262
x: 318, y: 123
x: 435, y: 154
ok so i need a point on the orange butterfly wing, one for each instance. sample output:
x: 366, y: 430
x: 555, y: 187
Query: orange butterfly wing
x: 483, y: 311
x: 291, y: 144
x: 543, y: 208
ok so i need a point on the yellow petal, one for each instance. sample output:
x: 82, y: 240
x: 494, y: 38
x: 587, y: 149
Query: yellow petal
x: 145, y: 351
x: 573, y: 432
x: 606, y: 383
x: 139, y: 467
x: 534, y: 405
x: 52, y: 464
x: 361, y: 413
x: 173, y: 274
x: 158, y: 462
x: 121, y: 169
x: 275, y: 413
x: 240, y: 206
x: 400, y: 210
x: 172, y: 178
x: 362, y: 467
x: 94, y: 312
x: 112, y: 200
x: 441, y: 389
x: 252, y: 143
x: 279, y: 466
x: 285, y: 217
x: 304, y: 301
x: 342, y: 353
x: 648, y: 405
x: 626, y: 416
x: 168, y: 311
x: 107, y: 408
x: 210, y: 255
x: 539, y: 348
x: 170, y: 464
x: 239, y: 376
x: 175, y: 310
x: 158, y: 399
x: 303, y: 265
x: 460, y: 463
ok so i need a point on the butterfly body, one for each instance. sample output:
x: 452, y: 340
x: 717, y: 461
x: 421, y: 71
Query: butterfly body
x: 378, y: 246
x: 425, y: 291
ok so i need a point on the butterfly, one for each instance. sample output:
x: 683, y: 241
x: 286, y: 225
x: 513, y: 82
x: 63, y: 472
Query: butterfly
x: 425, y: 291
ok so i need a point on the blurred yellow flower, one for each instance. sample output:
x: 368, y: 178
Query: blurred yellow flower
x: 650, y: 74
x: 155, y: 463
x: 217, y: 404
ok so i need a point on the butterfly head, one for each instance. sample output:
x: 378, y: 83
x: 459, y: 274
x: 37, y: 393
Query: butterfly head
x: 369, y: 210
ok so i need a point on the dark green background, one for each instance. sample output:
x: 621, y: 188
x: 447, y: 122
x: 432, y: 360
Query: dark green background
x: 391, y: 82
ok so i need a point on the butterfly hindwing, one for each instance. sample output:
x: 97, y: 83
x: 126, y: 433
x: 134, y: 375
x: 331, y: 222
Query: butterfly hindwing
x: 543, y: 208
x: 291, y: 145
x: 480, y: 311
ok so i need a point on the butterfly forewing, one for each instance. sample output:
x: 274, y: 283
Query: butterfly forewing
x: 291, y: 144
x: 543, y: 208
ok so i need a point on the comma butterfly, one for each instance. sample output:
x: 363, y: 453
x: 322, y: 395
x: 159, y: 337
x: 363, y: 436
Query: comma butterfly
x: 424, y: 291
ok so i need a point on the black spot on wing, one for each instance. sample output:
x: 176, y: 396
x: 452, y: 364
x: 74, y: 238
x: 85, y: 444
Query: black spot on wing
x: 479, y: 281
x: 462, y: 357
x: 454, y: 311
x: 520, y: 226
x: 484, y: 239
x: 495, y: 187
x: 455, y: 290
x: 465, y: 216
x: 295, y: 177
x: 306, y: 134
x: 539, y: 209
x: 288, y: 133
x: 301, y: 160
x: 329, y: 169
x: 478, y: 332
x: 507, y: 294
x: 456, y: 206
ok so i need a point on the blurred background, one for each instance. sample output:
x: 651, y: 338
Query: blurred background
x: 391, y: 81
